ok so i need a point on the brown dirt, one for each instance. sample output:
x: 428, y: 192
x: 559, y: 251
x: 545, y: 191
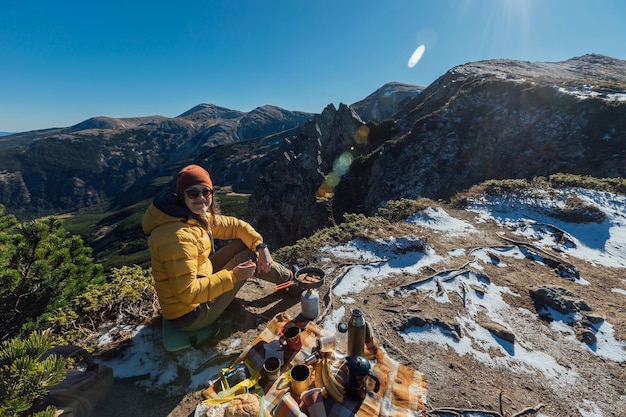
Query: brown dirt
x: 454, y: 380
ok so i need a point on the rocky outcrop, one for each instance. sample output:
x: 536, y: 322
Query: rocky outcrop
x: 557, y: 303
x: 497, y: 330
x: 290, y: 199
x: 499, y: 119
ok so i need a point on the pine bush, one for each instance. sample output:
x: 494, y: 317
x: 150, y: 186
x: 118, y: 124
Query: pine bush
x: 23, y: 378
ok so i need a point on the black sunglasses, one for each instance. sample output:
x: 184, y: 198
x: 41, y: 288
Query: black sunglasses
x: 194, y: 194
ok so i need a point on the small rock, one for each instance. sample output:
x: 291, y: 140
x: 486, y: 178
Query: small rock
x: 586, y: 336
x: 498, y: 330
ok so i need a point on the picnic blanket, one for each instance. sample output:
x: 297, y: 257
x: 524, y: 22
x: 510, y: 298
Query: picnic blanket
x: 402, y: 389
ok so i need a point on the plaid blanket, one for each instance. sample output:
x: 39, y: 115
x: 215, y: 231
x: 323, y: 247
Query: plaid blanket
x: 402, y: 389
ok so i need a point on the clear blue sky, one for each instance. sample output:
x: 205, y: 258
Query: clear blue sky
x: 62, y: 62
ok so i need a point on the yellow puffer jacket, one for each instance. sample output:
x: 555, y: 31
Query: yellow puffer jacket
x: 180, y: 250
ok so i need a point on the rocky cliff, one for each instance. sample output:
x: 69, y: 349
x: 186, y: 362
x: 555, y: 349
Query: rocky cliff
x: 503, y: 119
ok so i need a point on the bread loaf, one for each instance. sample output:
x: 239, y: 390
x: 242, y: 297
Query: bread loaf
x: 243, y: 405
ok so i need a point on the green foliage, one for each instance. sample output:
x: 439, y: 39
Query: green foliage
x: 7, y: 225
x: 61, y: 154
x: 614, y: 185
x: 23, y: 378
x: 82, y: 224
x: 459, y: 202
x: 397, y: 210
x: 115, y: 236
x: 41, y: 268
x: 505, y: 187
x: 233, y: 204
x: 128, y: 298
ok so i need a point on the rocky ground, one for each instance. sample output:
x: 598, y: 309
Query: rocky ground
x: 577, y: 379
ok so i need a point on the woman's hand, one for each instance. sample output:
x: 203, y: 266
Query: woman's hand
x: 244, y: 270
x: 264, y: 261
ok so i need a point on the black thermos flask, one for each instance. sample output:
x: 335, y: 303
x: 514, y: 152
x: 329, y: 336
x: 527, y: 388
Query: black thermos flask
x: 356, y: 333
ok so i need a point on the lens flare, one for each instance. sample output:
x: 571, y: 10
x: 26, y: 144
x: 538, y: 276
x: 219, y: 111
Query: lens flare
x: 342, y: 164
x: 332, y: 179
x: 417, y: 55
x: 362, y: 135
x: 324, y: 190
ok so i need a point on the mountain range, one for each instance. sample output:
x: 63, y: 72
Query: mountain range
x: 484, y: 120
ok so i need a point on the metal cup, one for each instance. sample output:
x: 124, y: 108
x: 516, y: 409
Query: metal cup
x: 272, y: 367
x: 300, y: 376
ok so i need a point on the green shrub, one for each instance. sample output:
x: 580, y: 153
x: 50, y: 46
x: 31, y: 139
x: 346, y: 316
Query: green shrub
x: 129, y: 297
x: 41, y: 269
x: 505, y: 188
x: 23, y: 378
x: 401, y: 209
x: 614, y: 185
x: 354, y: 225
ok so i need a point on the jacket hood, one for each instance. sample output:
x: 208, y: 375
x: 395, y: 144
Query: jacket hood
x: 164, y: 209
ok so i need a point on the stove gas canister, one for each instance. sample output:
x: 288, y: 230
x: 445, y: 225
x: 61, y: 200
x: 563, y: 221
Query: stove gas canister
x: 310, y: 302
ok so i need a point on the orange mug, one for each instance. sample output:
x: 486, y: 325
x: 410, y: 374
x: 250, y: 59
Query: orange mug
x: 291, y: 338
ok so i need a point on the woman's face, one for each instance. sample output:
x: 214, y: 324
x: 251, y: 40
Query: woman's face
x: 198, y: 199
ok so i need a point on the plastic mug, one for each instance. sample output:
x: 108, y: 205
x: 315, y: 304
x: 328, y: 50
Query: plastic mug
x: 300, y: 376
x: 287, y: 407
x: 314, y: 402
x: 271, y: 367
x: 291, y: 338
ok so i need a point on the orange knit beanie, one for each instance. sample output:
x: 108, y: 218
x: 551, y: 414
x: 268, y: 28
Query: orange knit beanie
x: 192, y: 175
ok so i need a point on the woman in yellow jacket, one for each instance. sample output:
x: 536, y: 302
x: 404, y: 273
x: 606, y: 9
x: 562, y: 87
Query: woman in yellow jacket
x: 193, y: 283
